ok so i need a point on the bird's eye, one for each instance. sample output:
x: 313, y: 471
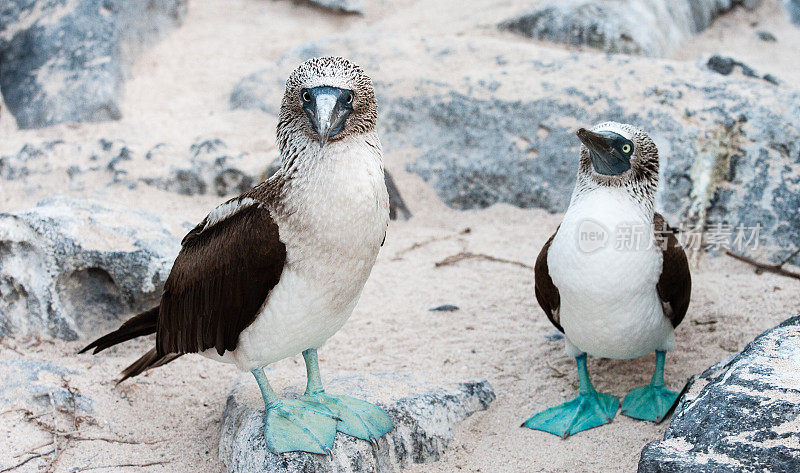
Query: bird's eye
x: 350, y: 98
x: 626, y: 148
x: 306, y: 96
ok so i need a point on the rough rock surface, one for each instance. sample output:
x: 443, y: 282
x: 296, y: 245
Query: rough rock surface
x: 741, y: 415
x: 648, y: 27
x: 729, y: 146
x: 67, y: 266
x: 793, y: 9
x: 344, y: 6
x: 34, y: 383
x: 65, y: 60
x: 209, y: 168
x: 424, y: 416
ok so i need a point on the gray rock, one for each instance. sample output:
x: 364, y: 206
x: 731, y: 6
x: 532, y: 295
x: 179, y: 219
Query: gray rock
x: 256, y: 91
x: 71, y: 268
x: 740, y: 415
x: 208, y: 168
x: 424, y: 417
x: 725, y: 65
x: 648, y: 27
x: 65, y: 60
x: 793, y: 9
x: 211, y: 168
x: 343, y: 6
x: 766, y: 36
x: 34, y: 383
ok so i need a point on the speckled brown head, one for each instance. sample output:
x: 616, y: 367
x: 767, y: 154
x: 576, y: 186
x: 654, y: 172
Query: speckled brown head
x: 618, y: 154
x: 327, y: 99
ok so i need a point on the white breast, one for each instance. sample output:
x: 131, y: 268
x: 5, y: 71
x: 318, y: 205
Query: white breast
x: 333, y: 223
x: 606, y: 280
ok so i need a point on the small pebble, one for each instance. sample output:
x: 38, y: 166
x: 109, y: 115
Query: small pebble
x: 445, y: 308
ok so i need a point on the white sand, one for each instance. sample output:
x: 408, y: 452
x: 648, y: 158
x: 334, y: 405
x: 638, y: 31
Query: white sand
x: 179, y: 91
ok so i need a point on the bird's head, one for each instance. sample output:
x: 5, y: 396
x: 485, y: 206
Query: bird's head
x: 616, y: 153
x: 327, y: 99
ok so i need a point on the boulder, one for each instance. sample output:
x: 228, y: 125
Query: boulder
x: 647, y: 27
x: 65, y: 60
x: 424, y: 415
x: 741, y: 415
x: 72, y: 268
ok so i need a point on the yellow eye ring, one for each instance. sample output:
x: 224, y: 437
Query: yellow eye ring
x: 626, y: 148
x: 306, y: 96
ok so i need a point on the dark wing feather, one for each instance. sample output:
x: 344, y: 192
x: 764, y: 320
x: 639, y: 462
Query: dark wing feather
x: 546, y: 292
x: 675, y: 284
x: 219, y: 281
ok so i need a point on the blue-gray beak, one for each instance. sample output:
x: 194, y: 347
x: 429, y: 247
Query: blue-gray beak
x: 327, y: 108
x: 605, y: 151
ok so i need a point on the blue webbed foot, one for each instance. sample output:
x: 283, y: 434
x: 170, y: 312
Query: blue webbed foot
x: 652, y: 402
x: 587, y: 410
x: 300, y: 425
x: 357, y: 418
x: 649, y: 403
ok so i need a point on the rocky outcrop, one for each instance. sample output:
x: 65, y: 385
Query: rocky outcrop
x: 424, y: 415
x: 71, y: 268
x: 647, y: 27
x: 65, y: 60
x: 741, y: 415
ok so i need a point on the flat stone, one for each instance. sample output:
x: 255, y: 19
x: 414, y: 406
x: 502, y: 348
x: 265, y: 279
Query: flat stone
x: 425, y: 417
x: 342, y: 6
x: 28, y: 383
x: 740, y: 415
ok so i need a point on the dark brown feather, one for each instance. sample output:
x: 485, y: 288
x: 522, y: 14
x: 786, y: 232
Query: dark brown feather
x: 137, y: 326
x: 219, y: 281
x: 147, y: 361
x: 546, y: 292
x: 675, y: 284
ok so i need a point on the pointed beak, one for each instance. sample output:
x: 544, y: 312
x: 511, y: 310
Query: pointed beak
x: 327, y: 111
x: 596, y: 142
x: 606, y: 159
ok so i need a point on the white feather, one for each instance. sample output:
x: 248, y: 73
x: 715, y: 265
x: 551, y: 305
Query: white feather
x: 609, y: 304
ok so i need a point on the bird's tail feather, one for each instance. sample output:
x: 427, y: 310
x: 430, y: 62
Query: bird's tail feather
x: 151, y: 359
x: 138, y: 325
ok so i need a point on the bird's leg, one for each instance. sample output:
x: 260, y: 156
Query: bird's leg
x: 293, y: 425
x: 357, y: 418
x: 589, y: 409
x: 653, y: 401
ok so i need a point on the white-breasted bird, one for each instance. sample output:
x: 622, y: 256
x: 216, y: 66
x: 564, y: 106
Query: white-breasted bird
x: 278, y: 270
x: 613, y: 277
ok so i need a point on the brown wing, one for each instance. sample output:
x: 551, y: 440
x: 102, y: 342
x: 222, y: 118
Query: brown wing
x: 546, y: 291
x: 675, y: 284
x: 219, y: 281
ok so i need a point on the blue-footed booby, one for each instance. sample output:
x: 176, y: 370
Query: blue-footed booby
x: 613, y: 277
x: 278, y: 270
